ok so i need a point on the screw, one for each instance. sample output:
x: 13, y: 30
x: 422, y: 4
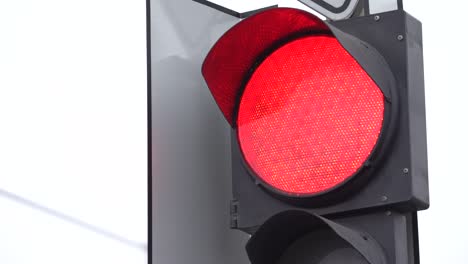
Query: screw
x: 376, y: 18
x: 388, y: 213
x: 405, y: 170
x: 400, y: 37
x: 383, y: 198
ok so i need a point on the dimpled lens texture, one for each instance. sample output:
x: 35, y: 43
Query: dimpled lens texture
x: 309, y: 117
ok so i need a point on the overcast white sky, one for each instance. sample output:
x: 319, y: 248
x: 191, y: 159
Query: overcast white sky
x: 73, y: 129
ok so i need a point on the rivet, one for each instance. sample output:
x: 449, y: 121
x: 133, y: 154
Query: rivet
x: 377, y: 18
x: 405, y: 170
x: 383, y: 198
x: 400, y: 37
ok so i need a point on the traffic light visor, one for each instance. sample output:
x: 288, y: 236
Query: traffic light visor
x: 233, y: 55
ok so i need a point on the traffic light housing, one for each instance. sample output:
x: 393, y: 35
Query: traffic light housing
x: 328, y: 124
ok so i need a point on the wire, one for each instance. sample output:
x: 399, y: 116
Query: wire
x: 73, y: 220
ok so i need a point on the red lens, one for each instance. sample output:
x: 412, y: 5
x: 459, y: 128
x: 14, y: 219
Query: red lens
x: 309, y: 117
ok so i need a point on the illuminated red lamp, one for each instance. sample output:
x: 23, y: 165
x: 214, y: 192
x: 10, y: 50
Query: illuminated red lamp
x: 308, y: 117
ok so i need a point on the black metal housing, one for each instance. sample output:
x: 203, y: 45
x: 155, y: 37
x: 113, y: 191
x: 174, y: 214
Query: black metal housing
x: 380, y: 237
x: 399, y: 178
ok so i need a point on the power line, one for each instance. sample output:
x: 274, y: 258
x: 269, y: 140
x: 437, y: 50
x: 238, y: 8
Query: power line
x: 73, y: 220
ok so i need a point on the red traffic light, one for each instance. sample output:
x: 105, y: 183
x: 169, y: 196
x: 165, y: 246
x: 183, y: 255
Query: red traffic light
x: 327, y: 120
x: 309, y: 116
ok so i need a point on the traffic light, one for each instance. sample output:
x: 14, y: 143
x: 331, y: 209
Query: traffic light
x: 329, y: 159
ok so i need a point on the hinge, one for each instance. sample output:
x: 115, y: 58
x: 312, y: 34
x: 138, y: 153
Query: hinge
x: 233, y: 212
